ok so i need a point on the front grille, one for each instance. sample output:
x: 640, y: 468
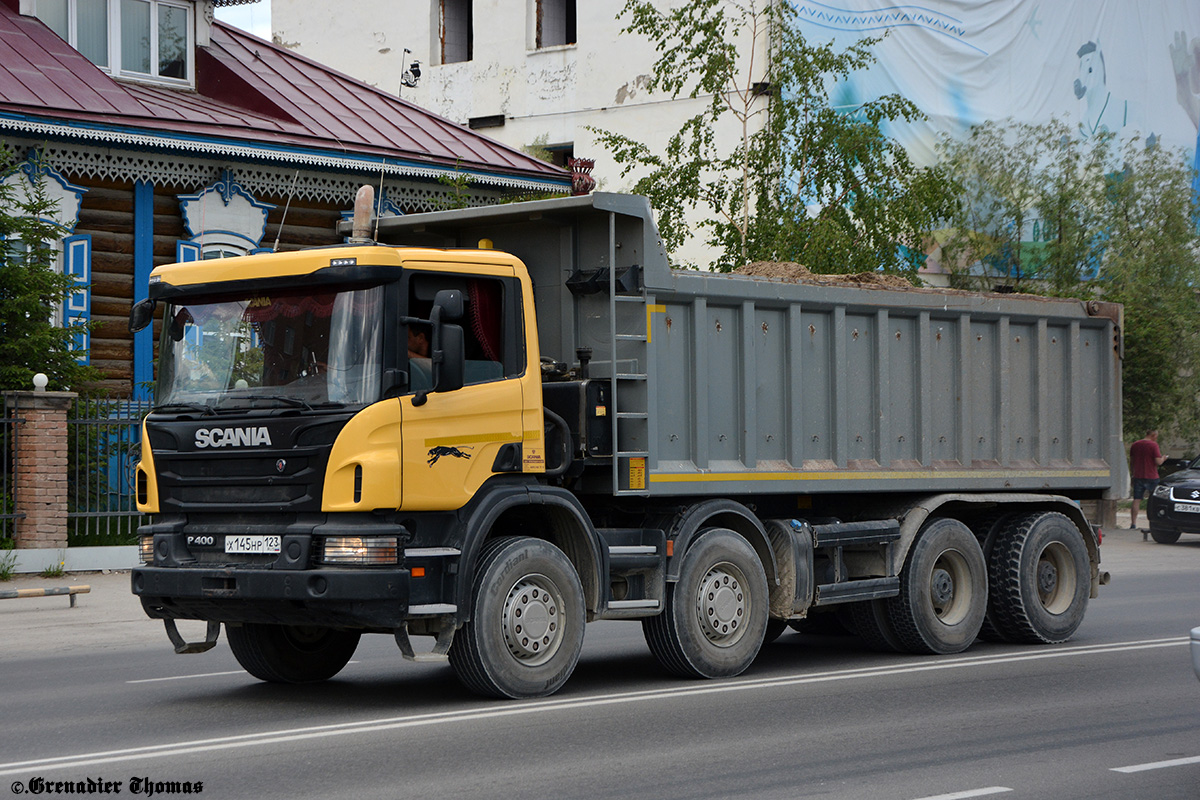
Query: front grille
x: 209, y: 495
x: 286, y: 477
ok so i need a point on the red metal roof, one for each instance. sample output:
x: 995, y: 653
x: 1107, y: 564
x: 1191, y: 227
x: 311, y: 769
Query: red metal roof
x: 249, y: 90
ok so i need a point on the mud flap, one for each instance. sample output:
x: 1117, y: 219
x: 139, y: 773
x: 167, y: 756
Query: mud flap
x: 210, y: 638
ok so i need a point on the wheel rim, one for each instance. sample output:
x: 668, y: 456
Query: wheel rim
x: 950, y: 587
x: 532, y: 621
x: 1055, y: 578
x: 722, y: 605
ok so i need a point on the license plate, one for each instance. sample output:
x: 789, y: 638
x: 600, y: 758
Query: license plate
x: 1188, y: 508
x: 251, y: 544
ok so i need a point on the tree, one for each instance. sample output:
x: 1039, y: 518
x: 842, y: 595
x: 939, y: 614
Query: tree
x: 1028, y: 208
x: 807, y: 179
x: 1043, y: 211
x: 32, y: 291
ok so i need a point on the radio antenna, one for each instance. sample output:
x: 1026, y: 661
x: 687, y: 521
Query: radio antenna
x: 379, y: 203
x: 286, y: 206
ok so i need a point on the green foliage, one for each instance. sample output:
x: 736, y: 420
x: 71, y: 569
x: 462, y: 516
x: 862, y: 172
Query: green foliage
x: 31, y: 292
x: 458, y: 186
x: 54, y: 570
x: 538, y: 149
x: 1046, y: 212
x: 8, y: 560
x: 808, y: 179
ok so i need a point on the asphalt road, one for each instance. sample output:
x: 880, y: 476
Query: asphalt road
x: 95, y: 693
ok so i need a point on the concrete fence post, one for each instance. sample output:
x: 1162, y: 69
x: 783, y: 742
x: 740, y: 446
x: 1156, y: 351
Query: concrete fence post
x: 40, y: 468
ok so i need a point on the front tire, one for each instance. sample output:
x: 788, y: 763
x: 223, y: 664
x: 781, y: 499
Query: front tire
x: 527, y: 618
x: 715, y: 617
x: 291, y: 653
x: 943, y: 590
x: 1040, y: 579
x: 1163, y: 536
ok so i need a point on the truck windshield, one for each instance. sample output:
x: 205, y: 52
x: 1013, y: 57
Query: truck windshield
x: 295, y: 348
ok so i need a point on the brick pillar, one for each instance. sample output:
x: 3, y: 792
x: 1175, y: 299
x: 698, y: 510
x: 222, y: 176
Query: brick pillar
x: 40, y: 479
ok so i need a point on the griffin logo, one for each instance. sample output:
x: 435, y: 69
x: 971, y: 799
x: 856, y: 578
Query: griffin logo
x: 437, y: 452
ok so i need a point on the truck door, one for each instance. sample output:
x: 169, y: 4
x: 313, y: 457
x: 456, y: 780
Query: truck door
x: 453, y: 441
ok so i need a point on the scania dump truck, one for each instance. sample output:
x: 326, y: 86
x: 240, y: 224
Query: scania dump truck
x: 491, y: 426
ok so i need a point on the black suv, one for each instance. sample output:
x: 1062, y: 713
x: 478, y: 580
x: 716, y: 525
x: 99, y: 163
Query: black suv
x: 1174, y: 506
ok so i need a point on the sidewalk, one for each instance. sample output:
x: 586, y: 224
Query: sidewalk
x: 109, y: 617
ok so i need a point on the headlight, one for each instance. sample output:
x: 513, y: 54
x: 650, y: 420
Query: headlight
x: 146, y: 549
x: 1162, y: 492
x: 371, y: 550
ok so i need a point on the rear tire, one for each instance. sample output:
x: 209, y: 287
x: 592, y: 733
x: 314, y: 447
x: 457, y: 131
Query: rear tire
x: 715, y: 617
x: 943, y: 590
x: 291, y: 653
x: 986, y: 530
x: 874, y: 626
x: 1164, y: 536
x: 1040, y: 579
x: 527, y: 618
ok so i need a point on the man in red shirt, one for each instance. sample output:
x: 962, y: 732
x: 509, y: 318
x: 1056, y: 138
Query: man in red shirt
x: 1144, y: 458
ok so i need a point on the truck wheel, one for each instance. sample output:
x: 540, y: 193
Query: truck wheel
x: 874, y: 627
x: 527, y: 618
x: 715, y: 616
x: 291, y: 653
x: 986, y: 529
x: 943, y: 590
x: 1040, y: 579
x: 1164, y: 536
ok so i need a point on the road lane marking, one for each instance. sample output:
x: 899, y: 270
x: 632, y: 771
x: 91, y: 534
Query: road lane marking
x: 526, y: 708
x: 200, y: 675
x: 1178, y: 762
x: 189, y: 677
x: 969, y: 793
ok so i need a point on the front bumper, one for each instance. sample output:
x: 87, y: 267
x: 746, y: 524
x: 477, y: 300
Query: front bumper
x: 350, y: 598
x: 1161, y: 515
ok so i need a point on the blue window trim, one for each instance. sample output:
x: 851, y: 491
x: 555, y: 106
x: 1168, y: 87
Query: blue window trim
x: 77, y: 305
x: 143, y: 263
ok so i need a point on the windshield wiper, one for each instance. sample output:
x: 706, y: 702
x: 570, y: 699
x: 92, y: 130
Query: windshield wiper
x: 291, y: 401
x: 201, y: 407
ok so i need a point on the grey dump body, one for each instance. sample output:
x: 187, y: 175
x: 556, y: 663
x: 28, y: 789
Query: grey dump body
x: 728, y: 385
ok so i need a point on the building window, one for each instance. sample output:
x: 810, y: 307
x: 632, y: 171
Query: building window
x: 555, y: 22
x: 72, y: 253
x: 82, y: 23
x: 560, y: 154
x: 146, y: 39
x: 155, y: 39
x: 458, y: 31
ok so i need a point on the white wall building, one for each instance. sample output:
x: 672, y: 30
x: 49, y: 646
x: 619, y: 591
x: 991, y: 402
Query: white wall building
x: 520, y: 71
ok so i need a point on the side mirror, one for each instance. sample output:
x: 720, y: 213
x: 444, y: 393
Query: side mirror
x: 179, y: 323
x: 141, y: 314
x: 450, y: 301
x: 449, y: 361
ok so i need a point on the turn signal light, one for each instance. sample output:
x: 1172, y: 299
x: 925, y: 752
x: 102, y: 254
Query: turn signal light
x: 146, y: 549
x: 362, y: 550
